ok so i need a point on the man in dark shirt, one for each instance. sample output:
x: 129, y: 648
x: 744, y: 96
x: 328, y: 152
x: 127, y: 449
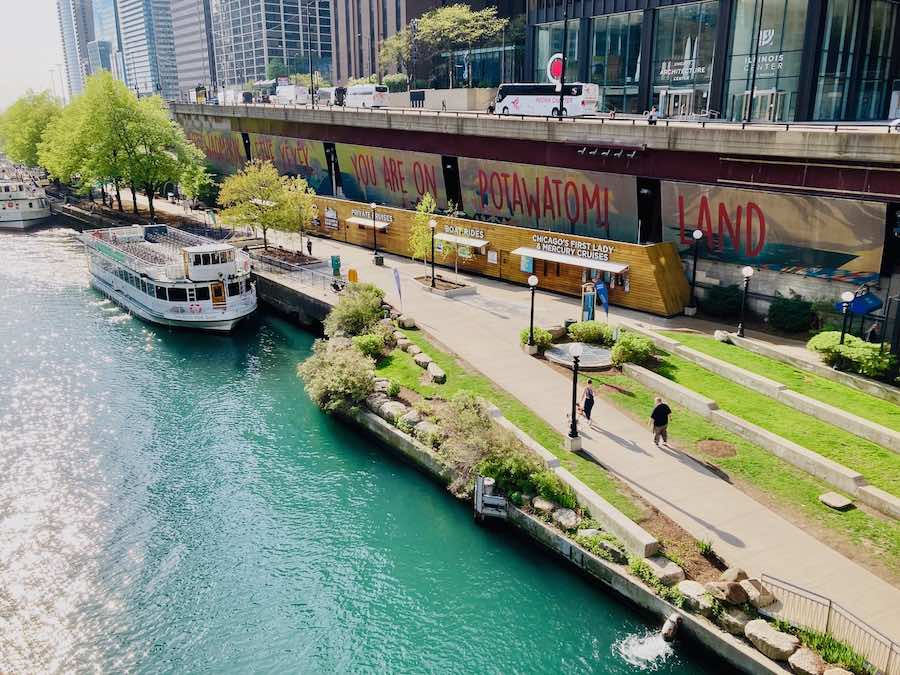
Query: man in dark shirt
x: 659, y: 420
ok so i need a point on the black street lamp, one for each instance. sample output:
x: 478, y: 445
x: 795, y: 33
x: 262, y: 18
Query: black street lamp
x: 747, y: 272
x: 532, y: 284
x: 562, y: 76
x: 433, y: 225
x: 697, y: 235
x: 846, y: 299
x: 374, y: 229
x: 576, y: 352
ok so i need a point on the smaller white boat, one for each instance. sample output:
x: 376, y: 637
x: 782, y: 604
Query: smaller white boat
x: 23, y: 202
x: 171, y: 277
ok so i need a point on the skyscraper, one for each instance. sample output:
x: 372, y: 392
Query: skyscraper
x: 105, y: 52
x: 148, y: 47
x: 248, y: 35
x: 76, y: 28
x: 194, y: 52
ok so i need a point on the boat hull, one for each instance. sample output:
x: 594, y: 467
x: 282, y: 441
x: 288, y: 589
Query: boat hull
x: 134, y: 307
x: 24, y: 223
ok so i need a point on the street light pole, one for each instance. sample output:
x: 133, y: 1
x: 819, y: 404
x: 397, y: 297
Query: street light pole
x: 747, y: 272
x: 576, y: 352
x: 433, y: 225
x: 697, y: 235
x: 562, y: 75
x: 374, y: 230
x: 532, y: 284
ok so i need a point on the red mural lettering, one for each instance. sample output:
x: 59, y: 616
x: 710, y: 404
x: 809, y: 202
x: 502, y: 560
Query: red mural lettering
x: 364, y: 170
x: 496, y: 193
x: 734, y: 233
x: 761, y: 241
x: 424, y: 178
x: 753, y: 232
x: 571, y: 201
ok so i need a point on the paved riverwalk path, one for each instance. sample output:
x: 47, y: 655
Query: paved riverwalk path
x: 483, y: 330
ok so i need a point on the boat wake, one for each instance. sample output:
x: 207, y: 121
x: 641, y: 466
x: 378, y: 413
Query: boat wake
x: 647, y: 651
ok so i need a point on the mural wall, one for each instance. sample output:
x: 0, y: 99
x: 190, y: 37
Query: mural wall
x: 815, y: 236
x: 295, y: 156
x: 223, y: 149
x: 588, y: 203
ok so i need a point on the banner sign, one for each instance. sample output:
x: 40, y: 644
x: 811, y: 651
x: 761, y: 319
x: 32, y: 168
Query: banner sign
x: 391, y: 177
x: 815, y: 236
x: 295, y: 156
x: 586, y: 203
x: 224, y: 150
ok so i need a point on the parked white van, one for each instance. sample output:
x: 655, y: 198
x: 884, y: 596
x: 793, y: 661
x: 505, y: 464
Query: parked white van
x: 366, y: 96
x: 291, y: 94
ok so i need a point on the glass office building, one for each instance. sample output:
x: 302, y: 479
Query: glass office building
x: 753, y: 60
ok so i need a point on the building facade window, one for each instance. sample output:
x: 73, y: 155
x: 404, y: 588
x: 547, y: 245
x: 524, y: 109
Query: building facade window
x: 683, y: 49
x: 836, y: 60
x: 548, y: 40
x: 875, y: 73
x: 616, y: 60
x: 763, y: 68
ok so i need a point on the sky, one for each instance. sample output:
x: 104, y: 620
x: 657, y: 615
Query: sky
x: 29, y: 48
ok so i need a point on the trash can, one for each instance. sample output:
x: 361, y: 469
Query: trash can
x: 568, y: 322
x: 378, y: 259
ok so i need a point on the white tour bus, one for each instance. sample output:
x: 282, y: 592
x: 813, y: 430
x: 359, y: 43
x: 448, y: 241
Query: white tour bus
x: 366, y: 96
x: 291, y: 94
x: 543, y: 99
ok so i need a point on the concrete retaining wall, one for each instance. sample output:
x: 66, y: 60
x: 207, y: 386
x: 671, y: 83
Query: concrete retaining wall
x: 682, y: 395
x: 730, y: 649
x: 880, y: 500
x: 307, y: 311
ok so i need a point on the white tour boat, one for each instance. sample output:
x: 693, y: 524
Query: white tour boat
x: 23, y: 202
x: 171, y: 277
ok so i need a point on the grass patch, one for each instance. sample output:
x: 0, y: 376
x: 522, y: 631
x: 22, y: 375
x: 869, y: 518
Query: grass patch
x: 833, y: 393
x: 400, y: 367
x: 788, y: 487
x: 880, y: 466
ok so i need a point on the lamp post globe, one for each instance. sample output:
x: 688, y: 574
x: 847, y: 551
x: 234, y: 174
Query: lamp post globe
x: 432, y: 224
x: 697, y: 235
x: 747, y: 273
x: 576, y: 351
x: 846, y: 299
x: 532, y: 285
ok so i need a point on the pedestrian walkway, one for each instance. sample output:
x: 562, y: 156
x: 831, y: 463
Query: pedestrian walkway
x: 483, y: 330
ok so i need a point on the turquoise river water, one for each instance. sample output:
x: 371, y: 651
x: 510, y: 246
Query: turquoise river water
x: 173, y: 502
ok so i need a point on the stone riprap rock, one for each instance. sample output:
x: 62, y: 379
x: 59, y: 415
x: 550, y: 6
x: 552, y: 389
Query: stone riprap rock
x: 435, y: 373
x: 411, y: 418
x: 834, y: 670
x: 413, y: 349
x: 722, y: 336
x: 406, y: 321
x: 805, y: 661
x: 733, y: 574
x: 399, y: 335
x: 614, y: 552
x: 543, y: 505
x: 403, y: 344
x: 567, y: 519
x: 835, y: 501
x: 426, y: 431
x: 557, y: 332
x: 696, y: 598
x: 773, y: 643
x: 665, y: 570
x: 391, y: 411
x: 759, y: 595
x: 729, y: 592
x: 382, y: 385
x: 422, y: 359
x: 375, y: 401
x: 734, y: 620
x: 588, y: 532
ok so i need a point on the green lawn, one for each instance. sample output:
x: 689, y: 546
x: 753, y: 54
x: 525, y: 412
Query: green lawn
x: 880, y: 466
x: 400, y: 367
x: 840, y: 396
x: 790, y: 489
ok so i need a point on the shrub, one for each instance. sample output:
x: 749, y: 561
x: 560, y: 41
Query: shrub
x: 337, y: 379
x: 393, y: 389
x: 371, y: 344
x: 386, y: 332
x: 592, y: 544
x: 855, y: 355
x: 548, y: 485
x: 511, y: 471
x: 722, y: 301
x: 395, y: 82
x: 791, y: 315
x: 642, y: 571
x: 542, y: 338
x: 593, y: 332
x: 357, y: 312
x: 632, y: 348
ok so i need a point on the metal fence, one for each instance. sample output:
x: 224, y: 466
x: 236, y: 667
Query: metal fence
x: 315, y: 279
x: 806, y: 609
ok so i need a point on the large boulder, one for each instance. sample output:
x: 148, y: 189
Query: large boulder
x: 733, y: 574
x: 375, y: 401
x: 696, y: 599
x: 557, y: 332
x: 422, y: 359
x: 403, y: 343
x: 435, y: 373
x: 614, y: 553
x: 413, y: 349
x: 773, y: 643
x: 382, y: 384
x: 734, y: 620
x: 399, y: 335
x: 805, y: 661
x: 588, y: 532
x: 665, y: 570
x: 722, y: 336
x: 391, y: 411
x: 406, y: 321
x: 427, y: 432
x: 542, y: 505
x: 567, y: 519
x: 835, y: 670
x: 759, y: 595
x: 729, y: 592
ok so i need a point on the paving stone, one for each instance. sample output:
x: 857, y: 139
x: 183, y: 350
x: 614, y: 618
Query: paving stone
x: 836, y: 501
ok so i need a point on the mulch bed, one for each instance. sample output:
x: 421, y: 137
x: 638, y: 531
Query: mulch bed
x: 439, y: 283
x: 293, y: 257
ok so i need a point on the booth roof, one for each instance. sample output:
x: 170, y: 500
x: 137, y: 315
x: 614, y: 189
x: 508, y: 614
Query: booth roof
x: 462, y: 241
x: 367, y: 222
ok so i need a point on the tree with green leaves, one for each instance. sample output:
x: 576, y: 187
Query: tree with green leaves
x: 258, y: 196
x: 22, y: 125
x: 420, y: 230
x: 276, y: 68
x: 396, y: 51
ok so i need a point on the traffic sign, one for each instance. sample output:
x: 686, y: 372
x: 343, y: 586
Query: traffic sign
x: 555, y: 68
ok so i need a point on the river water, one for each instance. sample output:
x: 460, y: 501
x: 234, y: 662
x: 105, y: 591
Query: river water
x: 172, y: 502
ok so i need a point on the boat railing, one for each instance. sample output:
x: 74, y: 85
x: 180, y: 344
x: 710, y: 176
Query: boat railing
x: 301, y: 274
x: 160, y: 272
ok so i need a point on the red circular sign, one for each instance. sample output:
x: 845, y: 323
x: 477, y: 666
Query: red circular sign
x: 555, y: 68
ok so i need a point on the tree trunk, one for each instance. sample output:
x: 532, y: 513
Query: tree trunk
x: 134, y: 199
x: 265, y: 241
x: 118, y: 196
x: 450, y: 68
x: 150, y: 193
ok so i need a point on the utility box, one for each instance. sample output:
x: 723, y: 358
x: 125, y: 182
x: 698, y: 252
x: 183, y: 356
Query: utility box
x: 336, y: 265
x: 352, y: 276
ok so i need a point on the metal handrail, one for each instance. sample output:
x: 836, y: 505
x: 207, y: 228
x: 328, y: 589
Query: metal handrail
x: 308, y: 277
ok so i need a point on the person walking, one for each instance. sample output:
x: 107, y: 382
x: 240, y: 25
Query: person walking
x: 587, y: 401
x: 309, y: 246
x: 659, y: 421
x: 652, y: 116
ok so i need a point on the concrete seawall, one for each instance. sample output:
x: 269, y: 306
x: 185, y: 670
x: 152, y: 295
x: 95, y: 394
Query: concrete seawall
x: 305, y: 310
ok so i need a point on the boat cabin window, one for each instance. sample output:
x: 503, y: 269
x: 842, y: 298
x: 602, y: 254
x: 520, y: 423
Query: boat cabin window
x: 151, y: 289
x: 161, y: 293
x: 202, y: 292
x: 177, y: 295
x: 234, y: 288
x: 197, y: 260
x: 205, y: 259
